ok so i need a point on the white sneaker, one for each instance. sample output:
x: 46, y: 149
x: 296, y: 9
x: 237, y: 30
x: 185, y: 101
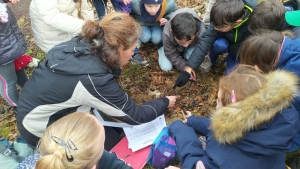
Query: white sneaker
x: 205, y: 65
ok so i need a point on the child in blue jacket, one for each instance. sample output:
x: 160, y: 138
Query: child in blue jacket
x: 273, y: 50
x: 253, y: 126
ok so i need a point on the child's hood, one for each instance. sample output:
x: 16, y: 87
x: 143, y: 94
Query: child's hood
x: 231, y: 123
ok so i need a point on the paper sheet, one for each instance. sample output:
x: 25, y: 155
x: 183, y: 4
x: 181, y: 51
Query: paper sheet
x: 143, y: 135
x: 139, y: 136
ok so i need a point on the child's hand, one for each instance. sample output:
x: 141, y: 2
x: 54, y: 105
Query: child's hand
x: 163, y: 21
x: 172, y: 167
x: 188, y: 114
x: 126, y: 2
x: 190, y: 71
x: 14, y: 1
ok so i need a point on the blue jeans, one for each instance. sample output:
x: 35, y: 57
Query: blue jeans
x: 100, y: 7
x: 8, y: 80
x: 165, y: 64
x: 150, y: 33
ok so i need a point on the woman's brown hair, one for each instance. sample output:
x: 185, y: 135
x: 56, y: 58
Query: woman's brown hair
x: 262, y: 49
x: 244, y: 80
x: 114, y: 31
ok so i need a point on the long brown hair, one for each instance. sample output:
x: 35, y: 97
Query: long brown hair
x: 244, y: 80
x: 114, y: 31
x: 262, y: 49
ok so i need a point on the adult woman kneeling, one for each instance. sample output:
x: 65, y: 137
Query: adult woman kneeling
x: 81, y: 74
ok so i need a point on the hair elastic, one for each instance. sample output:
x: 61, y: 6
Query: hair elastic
x: 58, y: 153
x: 233, y: 98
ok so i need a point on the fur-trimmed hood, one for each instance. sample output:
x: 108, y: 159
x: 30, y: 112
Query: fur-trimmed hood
x: 231, y: 123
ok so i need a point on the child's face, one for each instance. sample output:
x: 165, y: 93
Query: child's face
x: 184, y: 43
x: 152, y: 9
x: 219, y: 103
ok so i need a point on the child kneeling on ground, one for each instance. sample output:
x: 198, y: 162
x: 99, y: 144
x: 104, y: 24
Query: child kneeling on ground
x: 152, y: 15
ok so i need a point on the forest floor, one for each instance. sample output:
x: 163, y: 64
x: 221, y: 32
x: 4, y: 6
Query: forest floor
x: 141, y: 83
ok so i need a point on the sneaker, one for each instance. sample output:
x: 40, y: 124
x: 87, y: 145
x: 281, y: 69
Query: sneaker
x: 205, y: 65
x: 33, y: 63
x: 202, y: 140
x: 200, y: 165
x: 138, y: 59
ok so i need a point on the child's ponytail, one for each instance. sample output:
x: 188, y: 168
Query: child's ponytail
x: 50, y: 161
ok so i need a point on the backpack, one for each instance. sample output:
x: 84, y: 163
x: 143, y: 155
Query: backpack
x: 12, y: 153
x: 163, y: 150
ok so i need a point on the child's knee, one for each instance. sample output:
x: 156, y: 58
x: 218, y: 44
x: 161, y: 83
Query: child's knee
x: 175, y: 126
x: 156, y: 39
x: 165, y: 67
x: 221, y: 45
x: 163, y: 61
x: 145, y: 38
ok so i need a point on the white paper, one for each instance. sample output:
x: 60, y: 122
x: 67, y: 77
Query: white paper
x: 139, y: 136
x: 143, y: 135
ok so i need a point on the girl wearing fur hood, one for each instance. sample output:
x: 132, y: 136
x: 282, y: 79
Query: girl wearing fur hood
x: 253, y: 126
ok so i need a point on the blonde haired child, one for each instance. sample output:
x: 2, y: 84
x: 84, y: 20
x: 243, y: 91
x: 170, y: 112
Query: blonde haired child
x: 75, y: 141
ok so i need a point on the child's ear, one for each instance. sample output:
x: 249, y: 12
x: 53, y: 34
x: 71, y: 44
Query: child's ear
x: 257, y: 69
x: 239, y: 20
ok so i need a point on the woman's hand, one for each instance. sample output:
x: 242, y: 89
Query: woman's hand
x: 163, y: 21
x: 172, y: 100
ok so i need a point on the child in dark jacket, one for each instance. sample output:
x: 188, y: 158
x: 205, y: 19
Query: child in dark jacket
x: 253, y: 126
x: 228, y: 27
x: 273, y: 50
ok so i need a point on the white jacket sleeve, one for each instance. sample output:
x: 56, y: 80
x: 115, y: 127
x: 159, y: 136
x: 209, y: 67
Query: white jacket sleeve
x: 51, y: 15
